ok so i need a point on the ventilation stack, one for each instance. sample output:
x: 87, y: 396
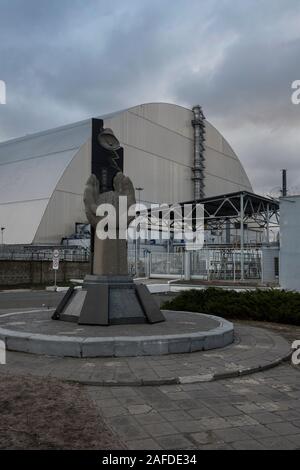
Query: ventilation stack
x: 199, y: 139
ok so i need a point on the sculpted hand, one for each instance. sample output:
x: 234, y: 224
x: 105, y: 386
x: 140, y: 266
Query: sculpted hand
x: 93, y: 198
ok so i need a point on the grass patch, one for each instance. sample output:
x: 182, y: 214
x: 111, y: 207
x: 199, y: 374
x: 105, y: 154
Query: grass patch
x: 276, y: 306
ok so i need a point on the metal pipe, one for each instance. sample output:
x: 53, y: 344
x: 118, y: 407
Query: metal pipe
x: 199, y: 138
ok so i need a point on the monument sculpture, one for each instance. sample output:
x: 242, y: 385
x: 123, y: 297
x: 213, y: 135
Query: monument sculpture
x: 108, y: 295
x: 110, y: 255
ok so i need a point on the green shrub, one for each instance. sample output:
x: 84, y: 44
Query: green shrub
x: 261, y: 305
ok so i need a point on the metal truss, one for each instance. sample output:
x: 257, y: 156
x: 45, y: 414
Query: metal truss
x: 240, y: 208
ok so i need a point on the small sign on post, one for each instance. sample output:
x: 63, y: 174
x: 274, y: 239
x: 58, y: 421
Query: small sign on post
x: 55, y: 265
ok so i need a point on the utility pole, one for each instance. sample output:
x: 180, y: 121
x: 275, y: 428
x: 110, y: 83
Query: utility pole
x: 137, y: 240
x: 2, y: 236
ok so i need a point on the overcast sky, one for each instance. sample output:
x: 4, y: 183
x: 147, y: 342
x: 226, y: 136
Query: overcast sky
x: 66, y: 60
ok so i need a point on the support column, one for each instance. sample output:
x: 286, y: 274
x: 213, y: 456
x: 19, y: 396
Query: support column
x: 242, y: 234
x: 268, y: 224
x: 187, y: 265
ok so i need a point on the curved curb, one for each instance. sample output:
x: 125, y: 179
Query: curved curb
x: 204, y: 378
x: 120, y: 346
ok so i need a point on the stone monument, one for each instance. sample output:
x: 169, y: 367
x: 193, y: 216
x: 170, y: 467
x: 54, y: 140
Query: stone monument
x: 109, y: 295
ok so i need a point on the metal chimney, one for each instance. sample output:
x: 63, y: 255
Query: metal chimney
x: 284, y: 183
x: 199, y: 138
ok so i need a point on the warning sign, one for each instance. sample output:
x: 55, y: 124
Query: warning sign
x: 55, y: 260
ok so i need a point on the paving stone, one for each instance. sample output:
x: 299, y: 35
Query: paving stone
x: 149, y: 418
x: 289, y: 415
x: 229, y: 435
x: 202, y: 412
x: 139, y: 409
x: 214, y: 423
x: 258, y: 431
x: 114, y: 411
x: 248, y: 408
x: 295, y: 439
x: 283, y: 429
x: 215, y: 447
x: 99, y: 392
x: 274, y: 406
x: 188, y: 426
x: 160, y: 429
x: 266, y: 417
x: 107, y: 402
x: 176, y: 415
x: 186, y: 404
x: 226, y: 410
x: 131, y: 432
x: 143, y: 444
x: 250, y: 444
x: 277, y: 443
x: 120, y: 392
x: 206, y: 437
x: 131, y: 401
x: 176, y: 442
x: 239, y: 421
x: 126, y: 420
x: 178, y: 396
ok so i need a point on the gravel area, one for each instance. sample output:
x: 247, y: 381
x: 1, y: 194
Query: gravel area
x: 49, y: 414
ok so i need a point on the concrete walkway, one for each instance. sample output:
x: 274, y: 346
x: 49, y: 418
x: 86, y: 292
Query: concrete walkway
x: 261, y: 411
x: 257, y: 411
x: 253, y: 349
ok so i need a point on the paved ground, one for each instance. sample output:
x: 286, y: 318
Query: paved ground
x: 258, y: 411
x: 41, y: 322
x: 261, y: 411
x: 29, y: 299
x: 252, y: 348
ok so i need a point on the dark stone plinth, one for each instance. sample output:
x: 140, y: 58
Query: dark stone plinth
x: 108, y: 300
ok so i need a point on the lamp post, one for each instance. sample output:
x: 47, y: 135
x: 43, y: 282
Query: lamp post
x: 137, y: 241
x: 2, y: 235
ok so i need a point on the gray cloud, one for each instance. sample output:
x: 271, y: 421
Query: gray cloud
x: 68, y: 60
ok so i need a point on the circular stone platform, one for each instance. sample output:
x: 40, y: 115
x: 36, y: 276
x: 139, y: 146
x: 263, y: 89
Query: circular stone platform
x: 183, y: 332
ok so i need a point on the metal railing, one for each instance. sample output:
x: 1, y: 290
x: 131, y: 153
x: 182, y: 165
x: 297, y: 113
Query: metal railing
x: 208, y: 263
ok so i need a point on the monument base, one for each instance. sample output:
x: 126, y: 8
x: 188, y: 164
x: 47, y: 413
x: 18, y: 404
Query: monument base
x: 108, y: 300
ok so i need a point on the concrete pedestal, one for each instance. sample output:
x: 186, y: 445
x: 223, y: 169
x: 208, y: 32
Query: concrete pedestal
x: 108, y: 300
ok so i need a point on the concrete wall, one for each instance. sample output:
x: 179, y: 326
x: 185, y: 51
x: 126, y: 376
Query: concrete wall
x: 269, y: 254
x: 289, y: 271
x: 39, y: 272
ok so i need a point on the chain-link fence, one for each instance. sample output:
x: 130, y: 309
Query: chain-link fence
x: 207, y: 264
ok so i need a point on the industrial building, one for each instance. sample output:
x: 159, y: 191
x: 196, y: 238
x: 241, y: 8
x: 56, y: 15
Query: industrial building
x: 171, y: 152
x: 172, y: 155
